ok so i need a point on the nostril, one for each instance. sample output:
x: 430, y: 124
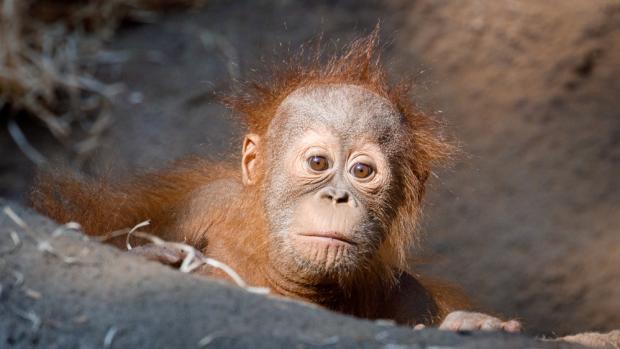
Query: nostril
x: 328, y: 194
x: 336, y: 196
x: 342, y: 197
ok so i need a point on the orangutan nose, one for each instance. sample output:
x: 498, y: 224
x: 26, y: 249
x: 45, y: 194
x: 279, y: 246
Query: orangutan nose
x: 336, y: 196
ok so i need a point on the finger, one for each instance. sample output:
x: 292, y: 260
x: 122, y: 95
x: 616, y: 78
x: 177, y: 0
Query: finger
x: 451, y: 324
x: 472, y: 323
x: 512, y: 326
x: 491, y: 324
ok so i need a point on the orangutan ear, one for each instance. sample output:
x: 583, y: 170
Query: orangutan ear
x: 249, y: 161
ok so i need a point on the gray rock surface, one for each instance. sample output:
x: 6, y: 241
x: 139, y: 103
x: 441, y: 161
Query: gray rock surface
x: 61, y: 290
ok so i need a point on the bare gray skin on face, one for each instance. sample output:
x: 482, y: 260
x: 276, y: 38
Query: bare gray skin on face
x: 332, y: 151
x: 351, y: 112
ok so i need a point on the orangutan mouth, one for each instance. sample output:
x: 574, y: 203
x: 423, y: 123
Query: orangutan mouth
x: 328, y: 236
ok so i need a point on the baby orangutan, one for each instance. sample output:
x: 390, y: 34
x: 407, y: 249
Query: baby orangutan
x: 324, y: 207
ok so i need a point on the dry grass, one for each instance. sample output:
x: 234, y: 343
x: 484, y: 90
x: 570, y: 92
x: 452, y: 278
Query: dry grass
x: 48, y: 51
x: 192, y: 259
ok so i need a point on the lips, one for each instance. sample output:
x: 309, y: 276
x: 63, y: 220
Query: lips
x: 330, y: 236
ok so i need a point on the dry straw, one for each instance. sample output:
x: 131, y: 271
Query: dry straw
x: 48, y: 52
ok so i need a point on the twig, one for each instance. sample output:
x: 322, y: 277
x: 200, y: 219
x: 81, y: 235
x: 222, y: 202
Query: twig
x: 71, y: 226
x: 206, y: 340
x: 42, y: 245
x: 45, y: 246
x: 138, y: 226
x: 192, y: 259
x: 109, y: 337
x: 16, y: 244
x: 19, y: 278
x: 29, y: 315
x: 15, y: 218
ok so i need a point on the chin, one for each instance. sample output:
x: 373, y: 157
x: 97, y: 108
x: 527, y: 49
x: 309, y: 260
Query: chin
x: 328, y: 256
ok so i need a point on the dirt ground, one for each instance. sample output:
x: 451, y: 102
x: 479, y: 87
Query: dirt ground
x: 527, y: 218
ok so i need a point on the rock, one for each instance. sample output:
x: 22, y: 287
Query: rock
x: 62, y: 290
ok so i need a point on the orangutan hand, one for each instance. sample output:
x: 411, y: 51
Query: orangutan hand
x: 471, y: 321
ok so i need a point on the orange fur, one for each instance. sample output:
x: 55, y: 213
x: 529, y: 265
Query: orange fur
x: 181, y: 201
x: 102, y: 206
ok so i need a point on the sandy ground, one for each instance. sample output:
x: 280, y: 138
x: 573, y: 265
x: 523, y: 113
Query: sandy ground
x: 527, y: 218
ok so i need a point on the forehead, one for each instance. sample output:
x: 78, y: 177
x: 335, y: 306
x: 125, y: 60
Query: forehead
x: 346, y: 110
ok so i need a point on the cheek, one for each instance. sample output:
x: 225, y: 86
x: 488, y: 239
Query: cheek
x: 279, y: 217
x: 277, y: 187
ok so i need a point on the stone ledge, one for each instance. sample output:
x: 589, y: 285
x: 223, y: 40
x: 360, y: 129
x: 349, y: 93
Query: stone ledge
x: 108, y: 299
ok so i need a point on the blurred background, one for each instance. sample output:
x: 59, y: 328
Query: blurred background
x: 527, y: 219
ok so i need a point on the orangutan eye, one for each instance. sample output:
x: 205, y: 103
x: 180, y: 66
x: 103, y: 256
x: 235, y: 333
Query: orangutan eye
x: 318, y: 163
x: 360, y: 170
